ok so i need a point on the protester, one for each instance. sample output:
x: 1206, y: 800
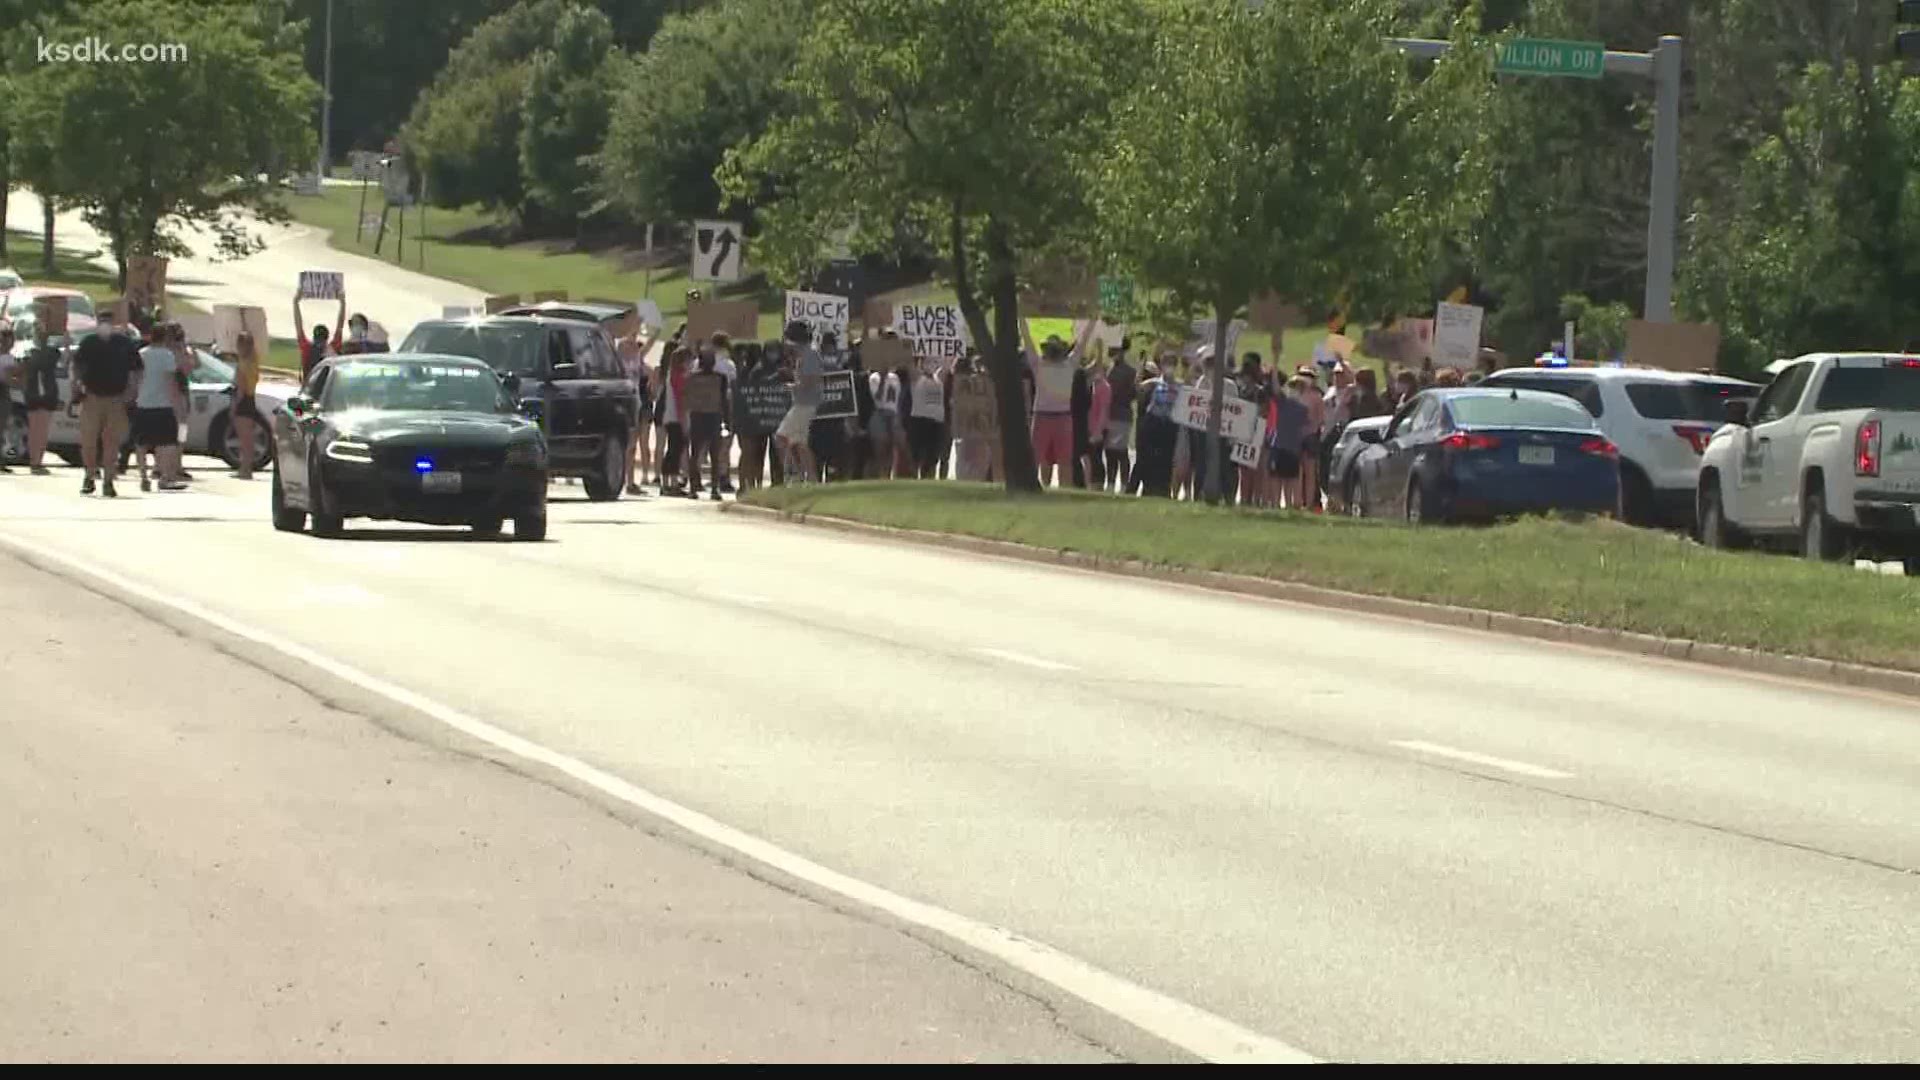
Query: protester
x: 357, y: 341
x: 706, y: 405
x: 1122, y: 382
x: 859, y: 444
x: 1054, y: 368
x: 156, y: 426
x: 11, y: 375
x: 41, y: 368
x: 1448, y: 377
x: 316, y: 349
x: 928, y: 421
x: 673, y: 385
x: 1093, y: 450
x: 796, y: 429
x: 104, y: 367
x: 1211, y: 369
x: 246, y: 381
x: 1159, y: 433
x: 1286, y: 440
x: 1251, y: 386
x: 885, y: 430
x: 827, y: 437
x: 760, y: 368
x: 1405, y: 385
x: 1367, y: 401
x: 725, y: 366
x: 1080, y: 409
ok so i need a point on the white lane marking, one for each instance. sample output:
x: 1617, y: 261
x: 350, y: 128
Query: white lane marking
x: 1189, y: 1027
x: 1024, y: 660
x: 1488, y: 760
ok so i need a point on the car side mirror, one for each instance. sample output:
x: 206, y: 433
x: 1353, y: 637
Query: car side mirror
x: 1739, y: 413
x: 297, y: 405
x: 1371, y: 435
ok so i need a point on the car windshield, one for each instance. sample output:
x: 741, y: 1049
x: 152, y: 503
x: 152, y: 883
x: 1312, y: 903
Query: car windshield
x: 1894, y: 385
x: 508, y: 348
x: 209, y: 368
x: 424, y: 387
x: 1507, y: 410
x: 1697, y: 399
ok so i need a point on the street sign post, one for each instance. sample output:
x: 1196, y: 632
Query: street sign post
x: 1539, y: 56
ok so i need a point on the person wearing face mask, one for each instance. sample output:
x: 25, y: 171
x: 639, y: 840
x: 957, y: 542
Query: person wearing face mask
x: 356, y: 341
x: 319, y: 347
x: 41, y: 369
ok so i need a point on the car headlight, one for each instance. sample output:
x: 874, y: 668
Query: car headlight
x: 526, y: 453
x: 354, y: 450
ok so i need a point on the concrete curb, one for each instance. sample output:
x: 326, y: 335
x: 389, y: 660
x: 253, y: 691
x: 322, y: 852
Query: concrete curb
x: 1754, y: 661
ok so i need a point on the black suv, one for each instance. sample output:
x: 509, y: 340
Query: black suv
x: 565, y: 372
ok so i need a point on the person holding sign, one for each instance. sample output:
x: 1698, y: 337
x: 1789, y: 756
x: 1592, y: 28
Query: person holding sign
x: 316, y: 349
x: 246, y: 381
x: 928, y: 421
x: 1054, y: 367
x: 795, y: 429
x: 706, y: 404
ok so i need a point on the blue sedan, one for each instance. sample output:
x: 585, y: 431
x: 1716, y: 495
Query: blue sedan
x: 1478, y: 454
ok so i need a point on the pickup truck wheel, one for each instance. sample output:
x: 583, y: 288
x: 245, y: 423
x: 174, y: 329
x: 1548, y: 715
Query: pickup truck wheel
x: 610, y: 482
x: 1821, y: 538
x: 1715, y: 531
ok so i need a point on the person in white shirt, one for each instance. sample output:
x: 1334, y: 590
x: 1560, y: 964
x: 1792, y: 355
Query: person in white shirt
x: 156, y: 424
x: 728, y: 370
x: 929, y: 419
x: 884, y: 429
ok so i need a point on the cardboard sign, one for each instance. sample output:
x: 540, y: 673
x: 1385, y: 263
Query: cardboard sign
x: 759, y: 406
x: 545, y: 295
x: 117, y: 311
x: 837, y: 397
x: 976, y: 415
x: 1408, y: 342
x: 229, y: 320
x: 886, y: 354
x: 322, y: 284
x: 1456, y: 335
x: 1247, y: 454
x: 1236, y: 416
x: 825, y: 313
x: 1674, y: 346
x: 147, y: 282
x: 649, y: 312
x: 497, y: 304
x: 738, y: 319
x: 877, y: 316
x: 1269, y: 315
x: 1061, y: 290
x: 704, y: 392
x: 717, y: 247
x: 1200, y: 335
x: 937, y: 331
x: 1109, y: 335
x: 51, y: 312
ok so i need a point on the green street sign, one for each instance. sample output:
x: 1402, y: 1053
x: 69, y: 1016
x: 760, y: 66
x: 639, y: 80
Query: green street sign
x: 1537, y: 56
x: 1116, y: 294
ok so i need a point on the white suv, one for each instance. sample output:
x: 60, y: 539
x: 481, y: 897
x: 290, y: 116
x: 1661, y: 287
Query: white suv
x: 1660, y: 420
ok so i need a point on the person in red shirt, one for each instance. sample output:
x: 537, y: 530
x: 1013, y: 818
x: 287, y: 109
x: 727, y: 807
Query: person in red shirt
x: 320, y: 347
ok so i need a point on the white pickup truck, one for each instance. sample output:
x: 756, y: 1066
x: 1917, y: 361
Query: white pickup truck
x: 1827, y: 462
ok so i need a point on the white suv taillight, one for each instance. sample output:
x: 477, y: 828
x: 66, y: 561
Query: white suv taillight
x: 1866, y: 449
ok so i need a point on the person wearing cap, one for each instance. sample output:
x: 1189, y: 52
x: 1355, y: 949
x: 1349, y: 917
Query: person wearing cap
x: 1159, y: 432
x: 1054, y: 368
x: 794, y: 431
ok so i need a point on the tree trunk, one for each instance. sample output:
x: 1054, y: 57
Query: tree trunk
x: 1218, y: 370
x: 46, y: 235
x: 1006, y: 362
x: 6, y: 185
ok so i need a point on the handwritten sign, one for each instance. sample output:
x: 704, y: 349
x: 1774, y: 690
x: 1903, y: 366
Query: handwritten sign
x: 228, y: 322
x: 704, y: 392
x: 936, y: 331
x: 322, y: 284
x: 1456, y: 335
x: 759, y: 406
x: 50, y: 313
x: 836, y: 396
x: 1247, y: 454
x: 976, y: 414
x: 738, y: 319
x: 825, y: 313
x: 1237, y: 417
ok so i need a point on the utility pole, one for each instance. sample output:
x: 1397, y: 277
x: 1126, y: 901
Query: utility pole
x: 1663, y: 67
x: 326, y: 102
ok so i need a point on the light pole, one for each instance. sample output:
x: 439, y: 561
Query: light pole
x: 326, y: 103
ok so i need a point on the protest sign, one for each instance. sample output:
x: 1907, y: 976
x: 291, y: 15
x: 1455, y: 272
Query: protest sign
x: 937, y: 331
x: 760, y: 405
x: 976, y: 415
x: 545, y: 295
x: 1060, y: 289
x: 825, y: 313
x: 704, y: 392
x: 51, y: 312
x: 1456, y: 335
x: 147, y: 282
x: 1407, y: 342
x: 116, y: 311
x: 738, y: 319
x: 876, y: 316
x: 497, y: 304
x: 1200, y: 335
x: 1268, y: 314
x: 1109, y: 335
x: 322, y: 284
x: 1674, y: 346
x: 1247, y: 454
x: 649, y: 312
x: 836, y: 396
x: 885, y: 353
x: 1236, y: 416
x: 229, y: 320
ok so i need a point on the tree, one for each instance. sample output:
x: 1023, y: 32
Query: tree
x: 563, y: 117
x: 957, y: 120
x: 1290, y: 149
x: 140, y: 146
x: 711, y: 81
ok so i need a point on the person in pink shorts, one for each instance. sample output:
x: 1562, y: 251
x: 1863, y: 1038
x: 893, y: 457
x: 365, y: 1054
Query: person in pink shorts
x: 1053, y: 367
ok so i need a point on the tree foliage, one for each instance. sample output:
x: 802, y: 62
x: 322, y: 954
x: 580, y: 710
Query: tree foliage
x: 564, y: 114
x: 710, y: 81
x: 142, y: 145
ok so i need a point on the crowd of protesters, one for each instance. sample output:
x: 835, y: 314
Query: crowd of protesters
x: 1101, y: 418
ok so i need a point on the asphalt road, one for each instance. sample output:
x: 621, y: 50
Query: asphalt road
x: 1362, y: 838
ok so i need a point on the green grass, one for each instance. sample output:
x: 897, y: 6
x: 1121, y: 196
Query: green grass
x: 1597, y: 574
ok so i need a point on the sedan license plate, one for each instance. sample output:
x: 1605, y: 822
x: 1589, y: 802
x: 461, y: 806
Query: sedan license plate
x: 440, y: 483
x: 1536, y: 455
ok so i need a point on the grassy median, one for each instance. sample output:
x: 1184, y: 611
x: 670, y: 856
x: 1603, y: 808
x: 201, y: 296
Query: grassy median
x: 1594, y: 573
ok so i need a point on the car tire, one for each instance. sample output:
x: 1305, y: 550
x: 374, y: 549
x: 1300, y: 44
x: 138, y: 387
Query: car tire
x: 486, y: 527
x: 1715, y: 531
x: 324, y: 524
x: 1822, y: 539
x: 610, y: 481
x: 1418, y: 512
x: 531, y: 526
x: 1911, y: 566
x: 217, y: 446
x: 285, y: 518
x: 1350, y: 497
x: 1635, y: 504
